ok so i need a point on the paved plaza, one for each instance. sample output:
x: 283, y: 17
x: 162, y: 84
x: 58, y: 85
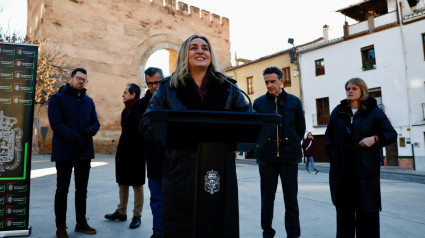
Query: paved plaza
x: 402, y: 214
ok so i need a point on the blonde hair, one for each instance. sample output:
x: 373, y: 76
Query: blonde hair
x: 182, y: 65
x: 362, y: 85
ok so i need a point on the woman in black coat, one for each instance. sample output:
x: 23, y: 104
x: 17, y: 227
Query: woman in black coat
x: 130, y: 159
x: 195, y: 85
x: 356, y: 132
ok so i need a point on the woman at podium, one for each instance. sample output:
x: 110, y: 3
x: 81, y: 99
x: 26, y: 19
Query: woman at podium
x: 196, y: 84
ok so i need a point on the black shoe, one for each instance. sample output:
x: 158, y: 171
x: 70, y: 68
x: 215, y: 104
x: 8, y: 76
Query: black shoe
x: 135, y: 222
x: 317, y: 171
x: 116, y: 216
x: 83, y: 227
x: 156, y: 236
x: 61, y: 232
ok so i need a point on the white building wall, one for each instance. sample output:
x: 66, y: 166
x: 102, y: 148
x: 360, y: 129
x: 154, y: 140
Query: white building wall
x: 343, y: 62
x: 391, y: 5
x: 416, y: 74
x: 389, y: 18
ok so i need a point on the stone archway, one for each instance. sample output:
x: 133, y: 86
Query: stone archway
x: 173, y: 48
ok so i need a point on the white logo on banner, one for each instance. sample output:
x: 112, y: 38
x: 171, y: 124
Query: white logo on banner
x: 212, y: 182
x: 10, y: 143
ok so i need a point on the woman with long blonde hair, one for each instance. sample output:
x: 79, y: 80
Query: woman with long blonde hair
x: 196, y: 84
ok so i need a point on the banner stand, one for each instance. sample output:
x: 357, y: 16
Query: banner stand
x: 18, y: 68
x: 16, y: 233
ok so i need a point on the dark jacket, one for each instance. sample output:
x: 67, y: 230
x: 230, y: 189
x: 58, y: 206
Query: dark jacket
x: 179, y: 164
x: 291, y: 129
x: 354, y: 170
x: 73, y: 119
x: 154, y: 151
x: 130, y: 159
x: 311, y: 150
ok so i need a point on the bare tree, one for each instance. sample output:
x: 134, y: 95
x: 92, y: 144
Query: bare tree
x: 52, y: 69
x: 53, y: 66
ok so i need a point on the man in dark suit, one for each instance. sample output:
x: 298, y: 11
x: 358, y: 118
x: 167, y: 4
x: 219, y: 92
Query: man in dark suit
x: 73, y: 119
x: 154, y: 153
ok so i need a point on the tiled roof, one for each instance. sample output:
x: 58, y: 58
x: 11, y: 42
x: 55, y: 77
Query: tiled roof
x: 417, y: 14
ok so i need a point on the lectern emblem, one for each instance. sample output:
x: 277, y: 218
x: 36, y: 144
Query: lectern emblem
x: 10, y: 143
x: 212, y: 182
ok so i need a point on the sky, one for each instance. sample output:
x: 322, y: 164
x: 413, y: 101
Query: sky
x: 257, y: 27
x: 13, y: 15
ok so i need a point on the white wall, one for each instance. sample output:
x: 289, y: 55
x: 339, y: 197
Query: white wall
x: 343, y: 62
x: 391, y: 5
x: 416, y: 74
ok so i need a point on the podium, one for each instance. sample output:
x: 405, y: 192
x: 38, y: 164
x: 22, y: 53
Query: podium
x: 205, y: 203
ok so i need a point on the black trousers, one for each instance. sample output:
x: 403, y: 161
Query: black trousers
x: 269, y: 179
x: 81, y: 178
x: 350, y: 224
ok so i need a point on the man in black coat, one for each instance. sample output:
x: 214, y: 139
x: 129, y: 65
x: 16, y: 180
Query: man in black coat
x: 154, y: 153
x: 73, y: 119
x: 130, y: 159
x: 280, y: 154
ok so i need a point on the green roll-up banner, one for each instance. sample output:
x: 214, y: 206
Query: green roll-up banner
x: 18, y: 68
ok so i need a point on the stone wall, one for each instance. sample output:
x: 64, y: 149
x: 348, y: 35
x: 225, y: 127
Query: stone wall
x: 113, y: 40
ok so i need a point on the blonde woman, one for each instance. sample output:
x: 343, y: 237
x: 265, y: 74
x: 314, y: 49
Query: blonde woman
x: 356, y: 132
x: 196, y: 84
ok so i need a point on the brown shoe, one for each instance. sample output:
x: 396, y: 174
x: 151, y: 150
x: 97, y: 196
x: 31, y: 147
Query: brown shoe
x: 61, y: 232
x: 83, y: 227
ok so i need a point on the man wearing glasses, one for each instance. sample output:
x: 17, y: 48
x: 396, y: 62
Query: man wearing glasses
x: 153, y: 154
x: 73, y: 119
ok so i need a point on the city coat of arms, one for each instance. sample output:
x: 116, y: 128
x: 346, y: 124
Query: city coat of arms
x: 212, y: 182
x: 10, y: 143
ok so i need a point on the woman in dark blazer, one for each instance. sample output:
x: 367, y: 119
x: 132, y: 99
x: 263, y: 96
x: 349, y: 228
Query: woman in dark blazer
x: 356, y: 132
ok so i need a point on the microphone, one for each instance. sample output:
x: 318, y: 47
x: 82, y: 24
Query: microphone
x: 234, y: 85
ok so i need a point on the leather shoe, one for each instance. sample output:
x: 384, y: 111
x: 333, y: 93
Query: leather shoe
x: 135, y: 222
x: 61, y: 232
x: 83, y: 227
x: 116, y: 216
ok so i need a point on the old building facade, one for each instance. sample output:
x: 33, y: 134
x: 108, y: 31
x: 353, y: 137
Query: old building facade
x: 113, y: 41
x: 250, y: 74
x: 386, y: 48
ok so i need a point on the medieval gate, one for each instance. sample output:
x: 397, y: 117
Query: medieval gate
x: 113, y: 40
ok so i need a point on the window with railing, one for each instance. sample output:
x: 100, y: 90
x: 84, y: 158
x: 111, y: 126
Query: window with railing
x: 286, y: 77
x: 368, y: 58
x: 250, y: 85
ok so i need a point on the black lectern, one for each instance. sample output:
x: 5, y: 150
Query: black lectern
x: 211, y: 137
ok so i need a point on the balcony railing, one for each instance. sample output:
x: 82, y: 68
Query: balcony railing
x: 380, y: 21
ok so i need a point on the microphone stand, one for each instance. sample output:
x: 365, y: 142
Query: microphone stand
x: 246, y: 95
